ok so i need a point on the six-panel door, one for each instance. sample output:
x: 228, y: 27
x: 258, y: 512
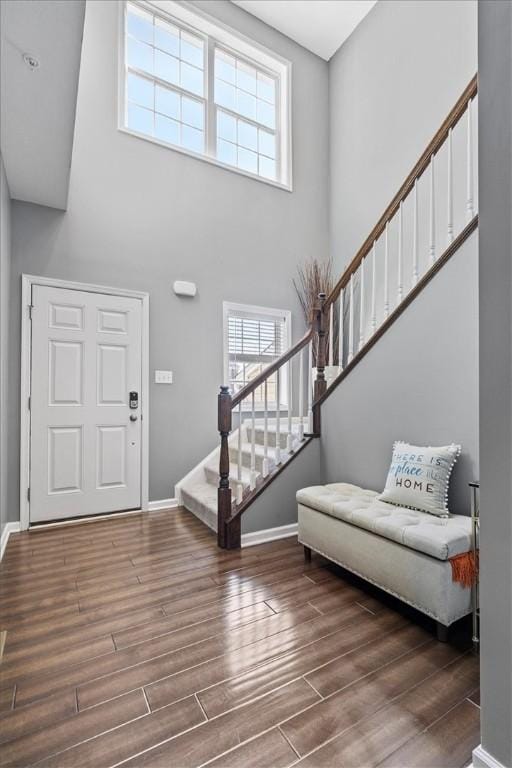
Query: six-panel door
x: 85, y: 439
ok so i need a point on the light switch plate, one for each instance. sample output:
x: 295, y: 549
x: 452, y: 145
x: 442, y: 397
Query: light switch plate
x: 163, y: 377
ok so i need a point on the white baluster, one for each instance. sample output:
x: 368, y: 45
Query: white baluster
x: 239, y: 487
x: 361, y: 307
x: 415, y: 273
x: 386, y: 271
x: 340, y: 331
x: 374, y: 287
x: 301, y: 395
x: 400, y: 290
x: 331, y: 334
x: 278, y: 419
x: 253, y: 444
x: 310, y: 387
x: 265, y: 467
x: 289, y: 438
x: 351, y: 320
x: 470, y: 211
x: 450, y: 188
x: 432, y: 246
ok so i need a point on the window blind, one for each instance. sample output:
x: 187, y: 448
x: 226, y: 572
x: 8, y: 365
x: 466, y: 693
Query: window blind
x: 254, y: 341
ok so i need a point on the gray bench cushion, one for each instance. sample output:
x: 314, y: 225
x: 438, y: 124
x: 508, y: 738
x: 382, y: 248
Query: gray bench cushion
x: 441, y: 538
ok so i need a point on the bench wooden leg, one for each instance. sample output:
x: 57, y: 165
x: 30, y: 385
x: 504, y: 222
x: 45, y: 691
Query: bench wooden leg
x: 307, y: 554
x: 442, y: 632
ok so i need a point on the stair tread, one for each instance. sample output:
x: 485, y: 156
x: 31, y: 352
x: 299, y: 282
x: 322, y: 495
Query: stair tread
x: 259, y: 449
x: 273, y: 428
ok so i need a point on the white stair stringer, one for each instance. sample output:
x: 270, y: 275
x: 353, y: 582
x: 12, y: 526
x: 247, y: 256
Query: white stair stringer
x: 197, y: 491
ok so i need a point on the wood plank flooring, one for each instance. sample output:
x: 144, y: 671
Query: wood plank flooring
x: 135, y: 641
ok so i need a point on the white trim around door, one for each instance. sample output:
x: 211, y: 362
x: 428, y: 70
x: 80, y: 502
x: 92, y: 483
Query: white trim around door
x: 26, y: 297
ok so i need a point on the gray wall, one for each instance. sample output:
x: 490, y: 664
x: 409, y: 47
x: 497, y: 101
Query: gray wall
x: 141, y: 216
x: 5, y: 265
x: 277, y: 505
x: 495, y: 84
x: 419, y: 383
x: 391, y: 84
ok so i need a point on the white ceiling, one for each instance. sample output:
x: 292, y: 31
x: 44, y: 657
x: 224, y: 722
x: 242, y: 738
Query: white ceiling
x: 321, y: 26
x: 38, y: 107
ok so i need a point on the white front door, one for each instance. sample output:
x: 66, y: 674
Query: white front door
x: 85, y: 446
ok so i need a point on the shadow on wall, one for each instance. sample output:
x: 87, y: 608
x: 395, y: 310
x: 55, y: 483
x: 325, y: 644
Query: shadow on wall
x: 418, y: 384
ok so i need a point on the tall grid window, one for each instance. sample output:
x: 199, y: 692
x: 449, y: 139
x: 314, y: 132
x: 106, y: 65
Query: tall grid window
x: 254, y: 338
x: 248, y: 141
x: 189, y: 89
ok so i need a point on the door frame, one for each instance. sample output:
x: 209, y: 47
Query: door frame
x: 27, y: 281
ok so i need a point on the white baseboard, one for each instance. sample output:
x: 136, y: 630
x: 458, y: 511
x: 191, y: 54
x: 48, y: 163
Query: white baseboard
x: 8, y: 529
x: 269, y: 534
x: 156, y: 506
x: 482, y: 759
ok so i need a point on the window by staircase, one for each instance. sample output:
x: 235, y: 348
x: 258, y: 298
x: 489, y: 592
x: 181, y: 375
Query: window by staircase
x: 253, y: 338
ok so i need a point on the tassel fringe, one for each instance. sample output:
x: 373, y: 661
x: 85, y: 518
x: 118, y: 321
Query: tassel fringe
x: 465, y: 569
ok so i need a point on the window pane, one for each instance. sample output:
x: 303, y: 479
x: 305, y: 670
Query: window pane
x: 192, y: 112
x: 246, y: 104
x: 226, y: 152
x: 266, y: 88
x: 166, y: 67
x: 191, y: 79
x: 167, y: 102
x: 140, y: 24
x: 140, y: 91
x: 254, y: 341
x: 267, y: 143
x: 226, y: 126
x: 225, y: 67
x: 247, y: 135
x: 140, y: 120
x: 192, y: 139
x: 246, y: 77
x: 140, y: 55
x: 267, y: 167
x: 225, y: 94
x: 167, y: 37
x: 266, y: 114
x: 247, y: 160
x: 167, y: 130
x: 192, y: 49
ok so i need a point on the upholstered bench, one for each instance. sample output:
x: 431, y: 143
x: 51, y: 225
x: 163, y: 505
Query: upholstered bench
x: 406, y: 553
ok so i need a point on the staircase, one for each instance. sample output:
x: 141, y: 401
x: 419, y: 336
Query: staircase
x: 396, y: 262
x: 198, y: 490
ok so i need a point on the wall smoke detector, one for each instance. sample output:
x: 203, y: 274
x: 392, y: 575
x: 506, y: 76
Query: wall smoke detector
x: 31, y: 61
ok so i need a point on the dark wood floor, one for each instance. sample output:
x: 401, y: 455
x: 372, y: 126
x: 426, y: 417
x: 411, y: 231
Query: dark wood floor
x: 135, y: 641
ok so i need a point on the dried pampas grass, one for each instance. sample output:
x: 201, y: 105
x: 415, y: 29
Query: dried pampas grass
x: 314, y: 277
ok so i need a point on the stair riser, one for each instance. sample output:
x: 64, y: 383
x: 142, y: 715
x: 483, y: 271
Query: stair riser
x: 207, y: 516
x: 272, y: 437
x: 246, y: 460
x: 213, y: 477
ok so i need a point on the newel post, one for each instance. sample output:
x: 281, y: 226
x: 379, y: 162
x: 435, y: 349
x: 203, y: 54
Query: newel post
x: 320, y: 325
x: 224, y: 491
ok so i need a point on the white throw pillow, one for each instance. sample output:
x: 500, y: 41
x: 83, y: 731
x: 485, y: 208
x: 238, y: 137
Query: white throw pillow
x: 418, y: 477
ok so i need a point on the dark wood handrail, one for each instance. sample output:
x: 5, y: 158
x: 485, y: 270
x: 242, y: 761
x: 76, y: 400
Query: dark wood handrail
x: 435, y: 144
x: 272, y: 368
